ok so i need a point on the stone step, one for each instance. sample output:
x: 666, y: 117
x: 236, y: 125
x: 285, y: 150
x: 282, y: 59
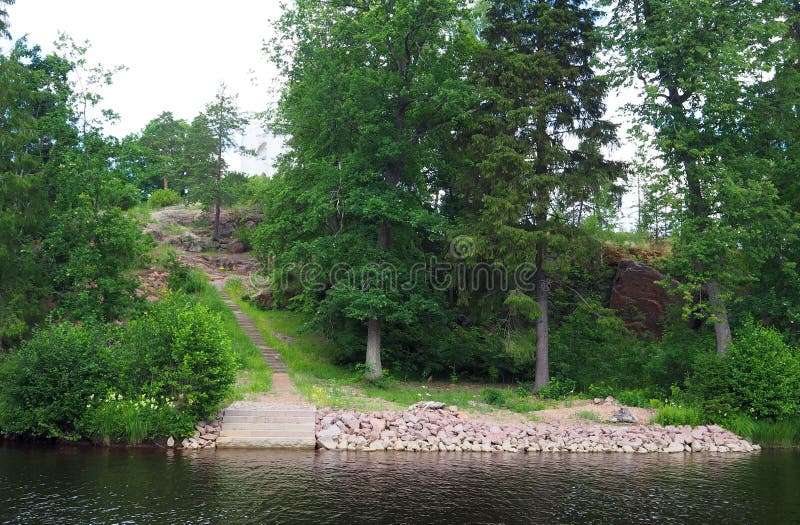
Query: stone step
x: 281, y: 427
x: 305, y: 442
x: 291, y: 420
x: 267, y: 433
x: 279, y: 411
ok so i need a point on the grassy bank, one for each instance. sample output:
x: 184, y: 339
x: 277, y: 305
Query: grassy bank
x: 254, y: 375
x: 324, y: 383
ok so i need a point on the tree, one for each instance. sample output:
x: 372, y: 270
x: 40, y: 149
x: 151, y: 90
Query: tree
x: 35, y: 132
x: 694, y: 59
x: 4, y: 17
x: 770, y: 145
x: 224, y: 122
x: 369, y: 86
x: 63, y: 242
x: 164, y: 139
x: 537, y: 141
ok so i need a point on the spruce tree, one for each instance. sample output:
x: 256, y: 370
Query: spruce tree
x: 538, y: 141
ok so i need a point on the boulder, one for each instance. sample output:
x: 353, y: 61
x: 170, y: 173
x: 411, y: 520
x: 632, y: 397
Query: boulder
x: 427, y: 405
x: 236, y: 246
x: 326, y: 438
x: 623, y: 415
x: 264, y: 299
x: 638, y: 298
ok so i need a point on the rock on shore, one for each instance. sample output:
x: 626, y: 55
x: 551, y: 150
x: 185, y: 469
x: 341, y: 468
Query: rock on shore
x: 205, y: 436
x: 433, y: 427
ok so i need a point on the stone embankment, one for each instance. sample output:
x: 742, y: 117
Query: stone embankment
x: 205, y: 436
x: 433, y: 427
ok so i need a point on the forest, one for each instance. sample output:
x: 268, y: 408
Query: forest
x: 447, y: 208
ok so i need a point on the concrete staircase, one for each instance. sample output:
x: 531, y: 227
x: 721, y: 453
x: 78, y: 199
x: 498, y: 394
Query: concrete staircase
x: 271, y: 355
x: 279, y: 418
x: 256, y: 425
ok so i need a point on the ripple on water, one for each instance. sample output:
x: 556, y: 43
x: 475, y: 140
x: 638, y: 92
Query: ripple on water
x: 77, y: 485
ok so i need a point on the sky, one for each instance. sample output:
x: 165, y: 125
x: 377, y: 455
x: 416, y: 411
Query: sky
x: 177, y: 51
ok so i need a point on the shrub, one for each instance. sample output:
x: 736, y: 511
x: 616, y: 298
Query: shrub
x: 179, y: 351
x: 46, y: 384
x: 679, y: 415
x: 182, y: 277
x: 592, y: 345
x: 764, y: 372
x: 92, y: 255
x: 493, y: 396
x: 115, y: 418
x: 557, y: 388
x: 671, y: 360
x: 163, y: 198
x: 709, y: 387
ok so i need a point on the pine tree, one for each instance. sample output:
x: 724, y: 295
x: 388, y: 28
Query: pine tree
x: 537, y: 141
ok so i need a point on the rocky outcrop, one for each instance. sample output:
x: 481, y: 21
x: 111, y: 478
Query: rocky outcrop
x: 191, y: 229
x: 432, y: 427
x: 638, y: 297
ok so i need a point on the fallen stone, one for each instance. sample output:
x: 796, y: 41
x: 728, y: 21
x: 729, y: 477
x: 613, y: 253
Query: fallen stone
x: 623, y: 415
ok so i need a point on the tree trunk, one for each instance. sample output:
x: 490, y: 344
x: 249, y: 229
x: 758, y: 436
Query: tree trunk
x: 542, y: 325
x: 373, y: 361
x: 722, y: 327
x: 166, y: 182
x: 218, y: 198
x: 374, y: 326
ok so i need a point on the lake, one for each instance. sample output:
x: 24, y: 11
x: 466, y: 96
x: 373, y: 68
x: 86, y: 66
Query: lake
x: 63, y: 484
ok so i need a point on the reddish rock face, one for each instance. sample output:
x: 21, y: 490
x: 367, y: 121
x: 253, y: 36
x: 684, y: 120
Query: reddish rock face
x: 639, y: 299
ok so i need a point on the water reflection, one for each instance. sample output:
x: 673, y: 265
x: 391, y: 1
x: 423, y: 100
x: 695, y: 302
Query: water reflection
x: 76, y: 485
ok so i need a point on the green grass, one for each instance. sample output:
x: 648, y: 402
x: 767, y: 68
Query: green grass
x: 324, y: 383
x: 587, y: 414
x: 679, y: 415
x: 139, y: 213
x: 254, y: 376
x: 773, y: 434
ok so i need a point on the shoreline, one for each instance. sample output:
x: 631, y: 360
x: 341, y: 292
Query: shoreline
x: 428, y: 427
x: 432, y: 427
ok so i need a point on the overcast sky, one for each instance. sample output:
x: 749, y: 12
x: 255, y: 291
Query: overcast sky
x: 177, y: 51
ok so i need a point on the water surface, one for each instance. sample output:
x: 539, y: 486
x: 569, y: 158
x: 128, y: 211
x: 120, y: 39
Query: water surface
x: 87, y: 485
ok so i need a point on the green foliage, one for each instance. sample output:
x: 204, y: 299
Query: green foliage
x: 182, y: 277
x: 764, y: 373
x: 588, y: 414
x: 709, y: 387
x: 670, y: 361
x: 591, y: 345
x: 46, y: 384
x: 557, y: 388
x: 783, y: 433
x: 179, y: 351
x: 492, y: 396
x: 515, y: 402
x: 114, y: 418
x: 91, y: 254
x: 673, y: 414
x: 163, y: 198
x: 152, y: 378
